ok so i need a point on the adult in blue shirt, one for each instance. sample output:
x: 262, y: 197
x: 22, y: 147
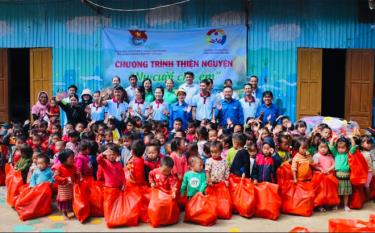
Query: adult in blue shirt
x: 268, y: 112
x: 257, y: 91
x: 229, y: 110
x: 203, y: 104
x: 249, y: 103
x: 117, y: 107
x: 97, y: 110
x: 179, y: 110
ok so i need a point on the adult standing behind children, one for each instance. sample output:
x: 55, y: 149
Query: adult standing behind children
x: 169, y: 93
x: 203, y: 104
x: 256, y: 90
x: 229, y: 110
x: 130, y: 90
x: 268, y: 112
x: 39, y: 110
x: 249, y: 103
x: 74, y: 111
x: 189, y: 86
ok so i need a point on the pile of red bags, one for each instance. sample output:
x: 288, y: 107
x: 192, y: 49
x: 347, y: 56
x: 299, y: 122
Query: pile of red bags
x: 243, y: 196
x: 122, y: 208
x: 268, y: 201
x: 358, y: 197
x: 325, y: 189
x: 221, y: 195
x: 162, y: 209
x: 351, y: 225
x: 14, y: 184
x: 358, y: 168
x: 201, y: 209
x: 34, y: 202
x: 298, y: 199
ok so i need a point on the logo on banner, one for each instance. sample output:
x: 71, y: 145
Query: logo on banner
x: 138, y: 37
x: 216, y: 36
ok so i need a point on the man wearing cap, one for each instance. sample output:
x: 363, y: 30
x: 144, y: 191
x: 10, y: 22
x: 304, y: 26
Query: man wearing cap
x: 191, y: 88
x: 180, y: 110
x: 203, y: 104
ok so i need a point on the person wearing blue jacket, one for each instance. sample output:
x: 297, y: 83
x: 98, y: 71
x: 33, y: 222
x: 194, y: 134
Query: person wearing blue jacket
x: 180, y: 110
x: 229, y: 110
x: 268, y: 112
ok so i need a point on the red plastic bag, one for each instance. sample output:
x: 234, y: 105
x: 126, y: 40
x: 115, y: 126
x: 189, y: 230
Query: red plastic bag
x: 358, y: 198
x: 163, y: 209
x: 34, y: 202
x: 268, y: 201
x: 299, y: 229
x: 325, y: 189
x: 121, y: 208
x: 96, y: 199
x: 284, y: 173
x: 201, y: 210
x: 358, y: 168
x: 2, y: 176
x: 146, y: 195
x: 81, y: 204
x: 14, y: 185
x: 221, y: 195
x: 298, y: 199
x: 181, y: 200
x: 243, y: 198
x: 350, y: 225
x: 234, y: 181
x: 372, y: 188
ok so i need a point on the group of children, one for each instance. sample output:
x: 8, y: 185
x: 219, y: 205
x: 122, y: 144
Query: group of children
x: 179, y: 161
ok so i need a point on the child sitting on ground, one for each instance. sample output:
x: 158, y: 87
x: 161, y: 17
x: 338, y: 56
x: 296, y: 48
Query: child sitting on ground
x: 42, y: 173
x: 25, y: 162
x: 162, y: 177
x: 217, y: 169
x: 194, y: 180
x: 33, y: 166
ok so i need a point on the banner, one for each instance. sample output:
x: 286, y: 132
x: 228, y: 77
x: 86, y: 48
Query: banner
x: 216, y: 53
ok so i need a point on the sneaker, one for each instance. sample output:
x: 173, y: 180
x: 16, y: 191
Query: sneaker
x: 321, y: 209
x: 347, y: 209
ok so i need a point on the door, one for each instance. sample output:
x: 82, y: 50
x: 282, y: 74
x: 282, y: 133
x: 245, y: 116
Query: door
x: 40, y: 73
x: 359, y: 86
x: 309, y: 84
x: 4, y: 107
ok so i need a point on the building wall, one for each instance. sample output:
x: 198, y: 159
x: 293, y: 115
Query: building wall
x: 276, y: 29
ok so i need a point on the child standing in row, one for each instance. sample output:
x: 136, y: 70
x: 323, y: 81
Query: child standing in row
x: 162, y: 177
x: 217, y: 169
x: 302, y: 162
x: 194, y: 180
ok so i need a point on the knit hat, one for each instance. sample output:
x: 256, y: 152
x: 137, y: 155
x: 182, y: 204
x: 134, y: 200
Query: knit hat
x: 86, y: 92
x: 269, y: 141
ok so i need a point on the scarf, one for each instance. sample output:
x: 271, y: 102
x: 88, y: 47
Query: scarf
x: 39, y: 109
x: 249, y: 100
x: 217, y: 159
x: 95, y: 105
x: 205, y: 96
x: 139, y: 101
x: 158, y: 102
x: 117, y: 102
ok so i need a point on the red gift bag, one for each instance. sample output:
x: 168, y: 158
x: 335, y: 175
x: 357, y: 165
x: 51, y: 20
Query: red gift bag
x: 358, y: 198
x: 81, y: 204
x: 299, y: 229
x: 121, y: 208
x: 14, y: 185
x: 284, y: 173
x: 268, y: 201
x: 325, y: 189
x: 234, y: 181
x: 181, y: 200
x: 372, y: 188
x: 34, y: 202
x: 358, y: 168
x: 298, y: 199
x: 221, y: 195
x: 350, y: 225
x: 146, y: 195
x: 201, y: 210
x: 96, y: 199
x: 2, y: 176
x: 163, y: 209
x: 243, y: 198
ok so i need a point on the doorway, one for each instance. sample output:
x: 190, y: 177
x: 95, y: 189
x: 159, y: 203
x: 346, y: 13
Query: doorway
x: 19, y: 80
x: 333, y: 83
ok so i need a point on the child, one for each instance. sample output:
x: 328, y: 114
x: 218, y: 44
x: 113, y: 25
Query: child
x: 67, y: 128
x: 266, y: 163
x: 191, y: 137
x: 160, y: 136
x: 301, y: 128
x: 323, y: 160
x: 65, y: 176
x: 202, y: 135
x: 162, y: 177
x: 15, y: 154
x: 82, y: 160
x: 241, y: 161
x: 53, y: 109
x: 125, y: 151
x: 177, y: 126
x: 366, y: 149
x: 253, y: 151
x: 115, y: 133
x: 25, y: 162
x: 206, y: 153
x: 79, y: 128
x: 152, y: 158
x: 42, y: 173
x: 302, y: 161
x: 313, y: 143
x: 226, y: 140
x: 326, y: 132
x: 217, y: 169
x: 112, y: 170
x: 34, y: 165
x: 108, y: 136
x: 179, y: 159
x: 340, y: 153
x: 195, y: 180
x: 212, y: 135
x: 284, y: 147
x: 59, y: 146
x: 136, y: 163
x: 100, y: 134
x: 73, y: 141
x: 238, y: 142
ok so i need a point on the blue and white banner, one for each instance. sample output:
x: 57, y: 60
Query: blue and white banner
x: 217, y: 53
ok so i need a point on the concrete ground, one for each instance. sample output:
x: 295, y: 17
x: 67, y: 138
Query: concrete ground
x: 9, y: 222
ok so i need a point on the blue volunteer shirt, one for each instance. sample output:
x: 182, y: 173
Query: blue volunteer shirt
x: 191, y: 91
x: 178, y: 110
x: 249, y: 108
x: 204, y: 107
x: 97, y: 113
x: 158, y: 110
x: 139, y: 105
x: 116, y: 109
x: 230, y: 110
x: 271, y: 113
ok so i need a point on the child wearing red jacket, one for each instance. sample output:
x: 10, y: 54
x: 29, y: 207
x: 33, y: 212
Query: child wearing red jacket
x: 110, y: 170
x: 136, y: 163
x: 162, y: 177
x: 152, y: 158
